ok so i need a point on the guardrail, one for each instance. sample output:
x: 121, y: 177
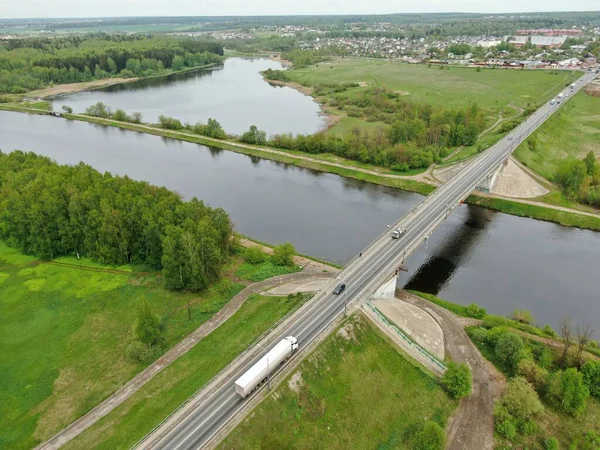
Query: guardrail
x: 436, y: 362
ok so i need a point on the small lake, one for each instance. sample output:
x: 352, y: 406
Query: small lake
x: 479, y: 256
x: 235, y: 94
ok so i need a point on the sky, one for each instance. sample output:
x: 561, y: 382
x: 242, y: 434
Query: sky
x: 119, y: 8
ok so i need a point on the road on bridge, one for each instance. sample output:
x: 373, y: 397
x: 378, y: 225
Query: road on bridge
x: 362, y: 276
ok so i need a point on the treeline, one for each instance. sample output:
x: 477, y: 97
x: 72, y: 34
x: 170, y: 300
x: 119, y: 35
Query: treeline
x: 50, y: 210
x: 579, y: 179
x: 303, y: 58
x: 31, y: 65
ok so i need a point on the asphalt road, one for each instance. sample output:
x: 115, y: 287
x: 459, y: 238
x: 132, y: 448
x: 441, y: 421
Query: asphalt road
x: 362, y: 275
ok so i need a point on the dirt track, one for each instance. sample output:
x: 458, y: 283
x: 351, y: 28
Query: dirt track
x: 472, y: 425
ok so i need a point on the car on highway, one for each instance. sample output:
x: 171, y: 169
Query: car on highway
x: 397, y: 233
x: 339, y: 289
x: 510, y: 138
x: 552, y: 102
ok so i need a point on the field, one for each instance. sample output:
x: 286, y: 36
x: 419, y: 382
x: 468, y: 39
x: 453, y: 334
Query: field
x: 492, y: 90
x: 570, y: 133
x: 164, y: 393
x: 354, y: 392
x: 64, y: 328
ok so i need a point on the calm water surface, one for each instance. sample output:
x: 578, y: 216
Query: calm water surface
x: 234, y: 94
x: 496, y: 260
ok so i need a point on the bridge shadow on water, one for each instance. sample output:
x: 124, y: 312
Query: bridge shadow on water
x: 451, y: 250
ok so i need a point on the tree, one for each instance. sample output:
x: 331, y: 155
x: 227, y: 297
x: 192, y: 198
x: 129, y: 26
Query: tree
x: 551, y: 443
x: 254, y: 136
x: 520, y: 400
x: 136, y: 117
x: 591, y: 376
x: 509, y: 349
x: 565, y: 334
x: 148, y: 329
x: 572, y: 176
x: 67, y: 109
x: 112, y: 66
x: 457, y: 380
x: 590, y: 163
x: 431, y: 437
x: 283, y: 254
x: 567, y: 390
x: 178, y: 63
x: 583, y: 334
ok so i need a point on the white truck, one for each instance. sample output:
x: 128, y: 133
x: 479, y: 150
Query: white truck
x: 245, y: 384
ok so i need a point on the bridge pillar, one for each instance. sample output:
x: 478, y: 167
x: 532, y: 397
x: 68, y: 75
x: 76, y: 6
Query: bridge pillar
x: 387, y: 289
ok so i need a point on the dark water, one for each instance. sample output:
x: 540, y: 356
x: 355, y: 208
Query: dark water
x: 234, y: 94
x: 477, y: 256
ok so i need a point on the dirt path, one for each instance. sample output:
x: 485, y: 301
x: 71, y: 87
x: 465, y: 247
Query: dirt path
x: 70, y: 88
x: 131, y: 387
x: 472, y: 425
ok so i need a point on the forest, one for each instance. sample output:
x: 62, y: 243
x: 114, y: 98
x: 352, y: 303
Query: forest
x: 33, y: 63
x: 49, y: 210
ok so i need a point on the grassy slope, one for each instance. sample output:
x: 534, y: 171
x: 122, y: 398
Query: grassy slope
x: 169, y: 389
x: 359, y: 394
x: 567, y: 429
x: 572, y: 132
x: 491, y: 89
x: 63, y: 334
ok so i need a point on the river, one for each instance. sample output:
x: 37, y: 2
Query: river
x: 479, y: 256
x: 235, y: 94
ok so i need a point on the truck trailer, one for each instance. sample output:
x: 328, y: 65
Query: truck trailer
x: 245, y: 384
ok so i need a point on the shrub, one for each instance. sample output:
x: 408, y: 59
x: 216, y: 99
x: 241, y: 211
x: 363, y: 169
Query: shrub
x: 527, y: 427
x: 495, y: 334
x: 508, y: 429
x: 591, y: 377
x: 567, y: 391
x: 137, y: 352
x: 431, y: 437
x: 457, y: 380
x: 402, y: 167
x: 254, y: 255
x: 169, y: 123
x: 510, y: 349
x: 533, y: 373
x: 283, y: 254
x: 494, y: 321
x: 522, y: 315
x: 520, y: 400
x: 476, y: 311
x: 478, y: 334
x: 551, y: 443
x: 66, y: 109
x: 549, y: 331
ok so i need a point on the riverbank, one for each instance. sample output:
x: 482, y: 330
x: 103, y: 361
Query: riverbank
x: 548, y: 212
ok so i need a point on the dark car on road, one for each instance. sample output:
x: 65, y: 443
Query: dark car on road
x: 339, y: 289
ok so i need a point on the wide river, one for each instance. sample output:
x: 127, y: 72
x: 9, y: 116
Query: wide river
x: 235, y: 94
x: 496, y: 260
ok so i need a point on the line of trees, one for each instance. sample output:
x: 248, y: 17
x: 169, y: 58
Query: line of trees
x: 50, y: 210
x: 31, y: 64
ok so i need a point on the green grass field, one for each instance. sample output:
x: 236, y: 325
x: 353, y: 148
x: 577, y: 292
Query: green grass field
x: 354, y: 392
x: 492, y: 89
x: 63, y: 334
x: 570, y: 133
x: 164, y: 393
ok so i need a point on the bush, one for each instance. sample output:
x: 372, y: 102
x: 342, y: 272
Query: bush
x: 283, y: 254
x: 66, y: 109
x: 254, y: 255
x: 478, y: 334
x: 522, y: 315
x: 431, y: 437
x: 567, y: 391
x: 591, y: 377
x: 137, y: 352
x: 457, y: 380
x: 403, y: 167
x: 507, y: 429
x: 495, y: 334
x: 476, y: 311
x: 527, y: 427
x: 551, y: 443
x: 509, y: 349
x: 520, y: 400
x: 533, y: 373
x: 549, y: 331
x: 169, y: 123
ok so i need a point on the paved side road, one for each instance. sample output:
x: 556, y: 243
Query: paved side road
x: 472, y: 426
x: 131, y: 387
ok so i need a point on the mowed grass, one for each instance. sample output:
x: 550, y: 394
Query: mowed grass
x: 164, y: 393
x: 570, y: 133
x: 491, y: 89
x: 354, y: 392
x: 64, y: 331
